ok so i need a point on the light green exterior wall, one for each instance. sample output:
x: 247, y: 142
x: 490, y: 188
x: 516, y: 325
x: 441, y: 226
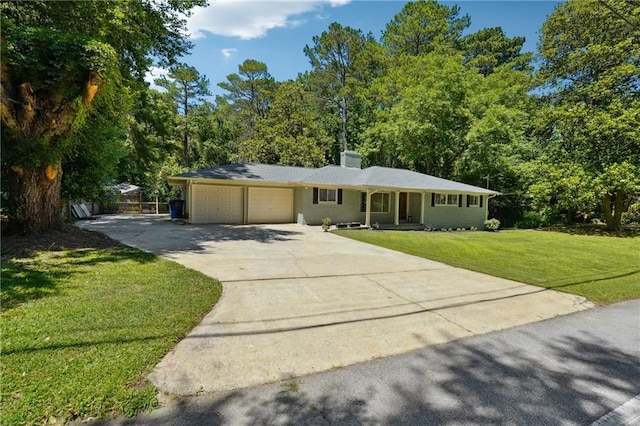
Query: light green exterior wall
x: 454, y: 216
x: 348, y: 211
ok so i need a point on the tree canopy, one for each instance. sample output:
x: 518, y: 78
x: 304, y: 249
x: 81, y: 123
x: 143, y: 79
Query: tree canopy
x: 424, y: 96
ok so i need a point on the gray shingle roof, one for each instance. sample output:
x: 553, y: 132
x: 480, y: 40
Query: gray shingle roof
x: 251, y: 172
x: 372, y: 177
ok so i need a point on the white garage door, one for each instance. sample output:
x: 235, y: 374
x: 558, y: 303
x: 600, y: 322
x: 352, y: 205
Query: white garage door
x: 270, y: 205
x: 217, y: 204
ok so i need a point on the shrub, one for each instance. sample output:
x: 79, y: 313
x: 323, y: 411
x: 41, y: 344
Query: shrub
x: 529, y: 220
x: 632, y: 215
x: 491, y: 225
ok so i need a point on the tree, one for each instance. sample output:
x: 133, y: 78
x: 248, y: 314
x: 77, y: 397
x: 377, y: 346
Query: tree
x: 342, y: 66
x: 428, y: 112
x: 423, y: 26
x: 57, y: 57
x: 187, y: 89
x: 590, y: 72
x: 290, y: 134
x: 151, y: 128
x: 251, y: 92
x: 490, y: 48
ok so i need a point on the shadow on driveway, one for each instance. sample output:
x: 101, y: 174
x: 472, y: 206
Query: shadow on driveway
x: 518, y: 376
x: 161, y: 235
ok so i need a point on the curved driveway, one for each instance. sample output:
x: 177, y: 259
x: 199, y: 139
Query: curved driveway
x: 297, y: 300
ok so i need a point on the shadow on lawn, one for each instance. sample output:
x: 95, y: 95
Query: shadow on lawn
x: 579, y: 379
x: 36, y: 274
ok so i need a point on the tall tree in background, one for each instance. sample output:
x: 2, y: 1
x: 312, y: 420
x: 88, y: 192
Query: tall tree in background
x: 187, y: 89
x: 341, y: 68
x: 290, y: 134
x: 149, y: 141
x: 251, y: 92
x: 57, y: 57
x: 590, y: 71
x: 423, y: 26
x: 489, y: 48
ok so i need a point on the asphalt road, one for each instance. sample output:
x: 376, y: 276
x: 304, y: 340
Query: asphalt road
x: 570, y: 370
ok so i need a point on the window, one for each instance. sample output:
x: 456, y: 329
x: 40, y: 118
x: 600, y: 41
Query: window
x: 379, y: 202
x: 327, y: 195
x: 446, y: 200
x: 441, y: 199
x: 473, y: 200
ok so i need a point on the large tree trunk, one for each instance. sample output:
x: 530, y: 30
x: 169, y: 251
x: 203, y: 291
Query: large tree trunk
x: 37, y: 198
x: 613, y: 212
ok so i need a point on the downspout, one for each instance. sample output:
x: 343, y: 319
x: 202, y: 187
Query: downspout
x: 486, y: 206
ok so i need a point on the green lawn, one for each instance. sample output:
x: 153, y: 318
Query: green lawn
x: 81, y: 329
x: 602, y: 269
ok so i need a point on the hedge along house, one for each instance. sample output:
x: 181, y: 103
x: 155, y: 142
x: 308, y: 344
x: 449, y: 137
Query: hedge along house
x: 260, y: 193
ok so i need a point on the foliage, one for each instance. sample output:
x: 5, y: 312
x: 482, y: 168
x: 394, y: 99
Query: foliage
x: 82, y: 329
x: 530, y: 220
x: 289, y: 134
x: 489, y: 48
x: 186, y: 88
x: 341, y: 68
x: 556, y: 189
x: 423, y: 27
x: 632, y: 215
x: 590, y: 72
x: 491, y: 225
x: 251, y: 92
x: 601, y: 268
x: 57, y: 59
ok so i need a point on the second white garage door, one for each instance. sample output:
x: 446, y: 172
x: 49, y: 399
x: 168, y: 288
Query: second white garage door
x: 217, y: 204
x: 270, y: 205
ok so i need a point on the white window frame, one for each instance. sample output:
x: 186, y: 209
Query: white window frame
x: 388, y: 204
x: 440, y: 199
x: 473, y: 198
x: 327, y: 198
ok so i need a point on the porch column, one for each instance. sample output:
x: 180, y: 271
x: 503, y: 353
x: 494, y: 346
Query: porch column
x: 396, y: 217
x: 422, y: 208
x: 367, y: 219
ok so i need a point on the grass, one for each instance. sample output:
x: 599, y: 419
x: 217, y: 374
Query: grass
x: 81, y: 329
x: 602, y: 269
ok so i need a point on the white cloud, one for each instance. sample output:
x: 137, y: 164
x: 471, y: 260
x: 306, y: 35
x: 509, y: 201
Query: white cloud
x: 227, y: 52
x: 152, y: 74
x: 251, y: 19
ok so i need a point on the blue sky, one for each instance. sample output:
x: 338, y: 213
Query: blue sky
x: 275, y: 32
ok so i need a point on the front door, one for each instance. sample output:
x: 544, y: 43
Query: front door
x: 402, y: 209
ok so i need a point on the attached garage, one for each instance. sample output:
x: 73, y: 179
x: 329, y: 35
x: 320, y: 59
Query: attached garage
x: 217, y: 204
x: 270, y: 205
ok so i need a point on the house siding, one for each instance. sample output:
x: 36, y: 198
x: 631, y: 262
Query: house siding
x: 348, y: 211
x: 454, y: 216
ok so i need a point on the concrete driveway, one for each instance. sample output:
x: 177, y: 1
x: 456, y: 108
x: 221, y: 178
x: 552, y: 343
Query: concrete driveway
x: 297, y: 300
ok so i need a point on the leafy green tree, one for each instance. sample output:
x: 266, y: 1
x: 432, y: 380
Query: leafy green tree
x: 344, y: 62
x: 489, y: 48
x: 590, y: 71
x: 150, y: 139
x: 216, y: 133
x: 427, y: 113
x: 187, y: 89
x: 57, y: 58
x: 423, y: 26
x: 251, y: 92
x: 290, y: 134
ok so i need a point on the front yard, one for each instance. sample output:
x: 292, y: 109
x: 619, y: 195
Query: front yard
x: 603, y: 269
x: 83, y: 326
